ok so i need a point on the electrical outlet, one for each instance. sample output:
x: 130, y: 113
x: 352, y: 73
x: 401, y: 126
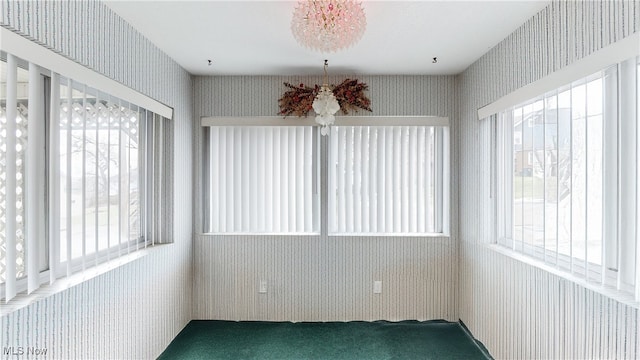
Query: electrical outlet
x: 377, y: 287
x: 263, y: 287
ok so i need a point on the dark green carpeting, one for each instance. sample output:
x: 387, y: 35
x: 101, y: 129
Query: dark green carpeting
x: 336, y: 340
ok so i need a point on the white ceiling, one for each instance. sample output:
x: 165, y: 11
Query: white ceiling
x: 254, y: 37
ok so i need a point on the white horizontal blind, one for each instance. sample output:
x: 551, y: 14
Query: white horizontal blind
x: 263, y: 179
x: 385, y: 180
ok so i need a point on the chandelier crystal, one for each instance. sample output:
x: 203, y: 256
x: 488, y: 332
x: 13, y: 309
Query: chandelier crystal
x: 328, y: 25
x: 325, y: 104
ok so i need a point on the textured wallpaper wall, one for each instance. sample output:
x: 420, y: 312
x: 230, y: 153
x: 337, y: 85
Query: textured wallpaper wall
x: 517, y: 310
x: 137, y: 309
x: 320, y: 278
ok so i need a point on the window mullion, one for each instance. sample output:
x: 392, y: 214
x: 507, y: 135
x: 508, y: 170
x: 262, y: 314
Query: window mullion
x: 151, y: 168
x: 159, y: 176
x: 143, y: 166
x: 54, y: 177
x: 68, y: 184
x: 610, y: 183
x: 119, y: 120
x: 493, y: 161
x: 109, y: 125
x: 93, y: 117
x: 571, y: 167
x: 544, y: 177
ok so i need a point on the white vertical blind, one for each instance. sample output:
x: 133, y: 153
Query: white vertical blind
x: 104, y: 183
x: 385, y: 179
x: 262, y: 179
x: 71, y: 182
x: 569, y: 190
x: 10, y: 182
x: 628, y: 160
x: 34, y: 179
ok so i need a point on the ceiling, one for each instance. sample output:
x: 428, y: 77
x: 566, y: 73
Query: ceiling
x: 254, y: 37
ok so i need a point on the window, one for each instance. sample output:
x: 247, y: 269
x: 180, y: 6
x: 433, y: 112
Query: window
x: 263, y: 179
x: 381, y: 180
x: 386, y: 180
x: 78, y: 176
x: 100, y: 182
x: 570, y: 177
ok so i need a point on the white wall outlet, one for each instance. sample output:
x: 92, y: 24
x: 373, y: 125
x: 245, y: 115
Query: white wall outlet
x: 377, y: 287
x: 263, y: 287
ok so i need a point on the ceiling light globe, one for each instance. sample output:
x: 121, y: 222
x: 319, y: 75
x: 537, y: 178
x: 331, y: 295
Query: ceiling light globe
x: 328, y: 25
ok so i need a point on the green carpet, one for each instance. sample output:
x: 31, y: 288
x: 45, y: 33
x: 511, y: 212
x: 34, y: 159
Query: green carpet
x: 335, y: 340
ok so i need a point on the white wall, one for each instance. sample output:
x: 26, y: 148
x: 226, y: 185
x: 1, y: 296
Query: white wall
x: 320, y: 278
x: 137, y: 309
x: 517, y: 310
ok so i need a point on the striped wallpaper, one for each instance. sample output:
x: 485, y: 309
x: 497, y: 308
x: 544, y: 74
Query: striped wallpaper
x: 135, y: 310
x: 515, y: 309
x: 321, y: 278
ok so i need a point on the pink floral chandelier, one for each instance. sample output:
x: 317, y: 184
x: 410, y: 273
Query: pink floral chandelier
x: 328, y: 25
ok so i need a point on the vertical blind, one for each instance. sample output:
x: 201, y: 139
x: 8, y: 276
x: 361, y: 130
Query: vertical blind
x: 100, y: 157
x: 385, y: 179
x: 263, y: 179
x: 75, y: 166
x: 569, y: 190
x: 13, y: 120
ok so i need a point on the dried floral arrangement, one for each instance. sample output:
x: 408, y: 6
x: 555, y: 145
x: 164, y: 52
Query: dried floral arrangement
x: 298, y: 100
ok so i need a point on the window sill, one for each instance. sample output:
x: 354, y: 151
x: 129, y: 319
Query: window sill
x: 23, y: 299
x: 425, y: 235
x: 381, y: 235
x: 218, y: 234
x: 611, y: 293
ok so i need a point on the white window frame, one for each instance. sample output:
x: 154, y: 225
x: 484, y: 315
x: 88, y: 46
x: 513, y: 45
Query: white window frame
x: 443, y: 196
x: 46, y: 67
x: 621, y: 193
